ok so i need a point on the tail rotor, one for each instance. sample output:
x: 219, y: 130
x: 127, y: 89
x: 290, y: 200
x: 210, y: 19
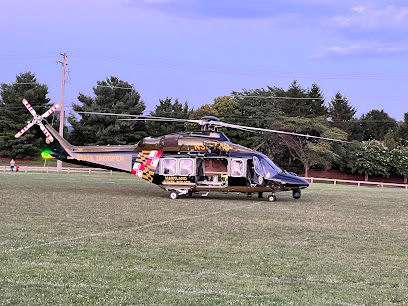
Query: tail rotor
x: 38, y: 120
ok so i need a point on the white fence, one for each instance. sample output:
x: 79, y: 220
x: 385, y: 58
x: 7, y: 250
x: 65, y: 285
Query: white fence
x: 358, y: 183
x: 98, y: 170
x: 55, y: 169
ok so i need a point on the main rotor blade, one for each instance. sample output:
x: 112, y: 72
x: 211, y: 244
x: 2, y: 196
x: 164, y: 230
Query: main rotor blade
x: 164, y: 119
x: 144, y: 117
x: 25, y: 129
x: 45, y: 131
x: 109, y: 114
x: 51, y: 110
x: 29, y: 107
x: 253, y: 129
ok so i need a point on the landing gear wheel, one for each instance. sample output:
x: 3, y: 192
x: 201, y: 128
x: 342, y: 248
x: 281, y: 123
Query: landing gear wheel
x: 173, y: 195
x: 272, y: 198
x: 296, y: 194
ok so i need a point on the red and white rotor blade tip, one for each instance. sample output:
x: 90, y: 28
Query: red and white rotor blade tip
x: 29, y: 107
x: 51, y: 110
x: 45, y: 131
x: 25, y: 129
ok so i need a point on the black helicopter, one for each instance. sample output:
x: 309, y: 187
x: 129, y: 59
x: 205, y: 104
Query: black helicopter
x: 183, y: 163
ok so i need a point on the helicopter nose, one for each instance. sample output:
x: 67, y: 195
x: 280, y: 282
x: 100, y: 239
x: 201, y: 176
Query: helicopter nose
x: 291, y: 180
x: 304, y: 183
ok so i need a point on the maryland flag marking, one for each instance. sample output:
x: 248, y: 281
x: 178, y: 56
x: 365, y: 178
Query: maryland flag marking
x: 145, y: 164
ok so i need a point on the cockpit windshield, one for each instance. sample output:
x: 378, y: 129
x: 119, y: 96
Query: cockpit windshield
x: 269, y: 168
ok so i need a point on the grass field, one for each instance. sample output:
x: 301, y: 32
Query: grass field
x: 102, y: 239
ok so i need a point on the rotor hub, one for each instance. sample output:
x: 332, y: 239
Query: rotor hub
x: 37, y: 119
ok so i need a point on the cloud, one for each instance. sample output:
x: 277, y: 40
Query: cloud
x: 365, y: 20
x: 358, y: 9
x: 361, y: 51
x: 367, y: 30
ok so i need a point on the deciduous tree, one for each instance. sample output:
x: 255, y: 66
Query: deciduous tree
x: 311, y: 152
x: 376, y: 124
x: 401, y: 133
x: 369, y: 158
x: 399, y: 161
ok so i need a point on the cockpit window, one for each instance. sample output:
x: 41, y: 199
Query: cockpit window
x: 258, y: 167
x: 268, y: 166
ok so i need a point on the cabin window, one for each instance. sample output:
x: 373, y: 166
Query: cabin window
x: 258, y: 167
x: 186, y: 166
x: 169, y: 166
x: 237, y: 167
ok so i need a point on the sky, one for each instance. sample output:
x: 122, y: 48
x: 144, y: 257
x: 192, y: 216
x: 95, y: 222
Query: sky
x: 195, y: 50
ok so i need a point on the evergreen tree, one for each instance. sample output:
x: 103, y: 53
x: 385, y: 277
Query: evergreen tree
x: 295, y: 107
x: 257, y: 108
x: 315, y: 104
x: 111, y: 96
x: 172, y: 110
x: 14, y: 116
x: 341, y: 112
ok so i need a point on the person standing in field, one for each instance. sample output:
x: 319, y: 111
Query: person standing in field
x: 12, y: 164
x: 17, y: 167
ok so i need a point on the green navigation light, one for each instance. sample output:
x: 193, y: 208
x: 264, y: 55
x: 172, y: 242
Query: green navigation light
x: 46, y: 155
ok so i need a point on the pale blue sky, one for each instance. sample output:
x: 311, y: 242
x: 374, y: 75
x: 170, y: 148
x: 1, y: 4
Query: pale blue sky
x: 197, y: 50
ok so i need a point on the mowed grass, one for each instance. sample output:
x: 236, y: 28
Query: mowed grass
x: 102, y: 239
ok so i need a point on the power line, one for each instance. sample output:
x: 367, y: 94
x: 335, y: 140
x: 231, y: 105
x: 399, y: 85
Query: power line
x: 244, y: 71
x: 274, y: 97
x: 23, y: 57
x: 115, y: 87
x: 216, y: 69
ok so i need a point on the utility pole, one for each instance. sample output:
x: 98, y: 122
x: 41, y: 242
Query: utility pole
x: 62, y: 114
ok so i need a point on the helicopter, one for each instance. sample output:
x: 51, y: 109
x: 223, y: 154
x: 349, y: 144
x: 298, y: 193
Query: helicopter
x: 183, y: 163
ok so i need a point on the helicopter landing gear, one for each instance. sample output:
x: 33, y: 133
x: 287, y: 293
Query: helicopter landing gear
x: 272, y: 197
x: 173, y: 194
x: 296, y: 194
x: 260, y: 195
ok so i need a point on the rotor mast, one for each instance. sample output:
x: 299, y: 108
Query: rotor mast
x: 206, y: 124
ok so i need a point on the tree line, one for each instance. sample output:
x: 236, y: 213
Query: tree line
x: 378, y: 143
